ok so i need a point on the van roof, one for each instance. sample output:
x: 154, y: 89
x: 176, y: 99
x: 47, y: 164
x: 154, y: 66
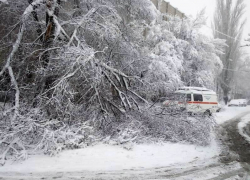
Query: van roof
x: 194, y: 88
x: 197, y: 90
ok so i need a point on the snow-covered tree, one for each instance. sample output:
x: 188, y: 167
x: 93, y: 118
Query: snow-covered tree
x: 181, y: 55
x: 240, y: 88
x: 81, y: 67
x: 228, y: 25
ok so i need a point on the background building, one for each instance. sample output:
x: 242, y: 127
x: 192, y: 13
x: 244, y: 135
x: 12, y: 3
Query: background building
x: 165, y: 7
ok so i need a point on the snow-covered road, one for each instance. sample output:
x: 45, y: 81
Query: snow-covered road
x: 243, y: 127
x: 198, y: 170
x: 229, y: 113
x: 236, y: 136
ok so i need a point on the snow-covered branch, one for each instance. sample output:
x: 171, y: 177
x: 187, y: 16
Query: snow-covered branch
x: 16, y: 45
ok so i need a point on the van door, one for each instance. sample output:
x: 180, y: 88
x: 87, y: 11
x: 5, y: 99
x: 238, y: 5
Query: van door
x: 188, y: 98
x: 198, y: 105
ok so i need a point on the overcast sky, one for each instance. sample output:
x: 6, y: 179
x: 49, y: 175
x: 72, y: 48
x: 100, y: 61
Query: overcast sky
x: 192, y: 7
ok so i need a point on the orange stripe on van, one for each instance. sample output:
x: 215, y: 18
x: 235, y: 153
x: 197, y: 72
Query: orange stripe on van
x: 199, y: 102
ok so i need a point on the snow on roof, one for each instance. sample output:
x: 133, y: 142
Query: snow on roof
x: 194, y: 88
x: 238, y: 101
x: 198, y: 90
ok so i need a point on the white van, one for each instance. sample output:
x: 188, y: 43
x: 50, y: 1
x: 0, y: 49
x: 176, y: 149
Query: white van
x: 197, y: 100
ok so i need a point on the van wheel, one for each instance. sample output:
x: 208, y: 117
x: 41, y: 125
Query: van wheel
x: 207, y: 113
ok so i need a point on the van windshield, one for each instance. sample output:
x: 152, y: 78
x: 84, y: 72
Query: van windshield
x: 181, y: 97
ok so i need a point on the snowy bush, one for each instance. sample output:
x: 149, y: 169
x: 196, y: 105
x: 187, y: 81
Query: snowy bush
x: 33, y: 131
x: 193, y: 130
x: 159, y: 124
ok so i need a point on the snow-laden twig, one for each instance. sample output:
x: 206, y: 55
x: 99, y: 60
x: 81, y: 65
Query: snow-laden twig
x: 99, y: 100
x: 3, y: 156
x: 17, y: 94
x: 78, y: 26
x: 59, y: 28
x: 114, y: 70
x: 16, y: 45
x: 85, y: 19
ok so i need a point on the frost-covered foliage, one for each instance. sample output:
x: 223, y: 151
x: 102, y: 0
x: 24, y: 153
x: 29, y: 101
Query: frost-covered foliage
x: 159, y: 124
x: 88, y: 69
x: 182, y: 55
x: 47, y: 135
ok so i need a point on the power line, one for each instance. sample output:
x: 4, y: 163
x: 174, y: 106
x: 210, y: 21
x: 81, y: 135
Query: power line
x: 223, y: 34
x: 246, y: 45
x: 235, y: 70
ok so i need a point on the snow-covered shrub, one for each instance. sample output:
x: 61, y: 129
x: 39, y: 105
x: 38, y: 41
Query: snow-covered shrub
x: 124, y: 133
x: 159, y: 124
x: 193, y: 130
x: 33, y: 131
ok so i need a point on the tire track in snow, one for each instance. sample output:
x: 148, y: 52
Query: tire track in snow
x: 242, y: 126
x: 238, y: 140
x: 179, y: 172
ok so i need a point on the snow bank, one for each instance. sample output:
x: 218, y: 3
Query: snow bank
x: 244, y: 122
x: 107, y: 158
x: 229, y: 113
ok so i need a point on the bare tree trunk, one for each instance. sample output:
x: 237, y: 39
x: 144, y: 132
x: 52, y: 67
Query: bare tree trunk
x: 50, y: 31
x: 49, y: 37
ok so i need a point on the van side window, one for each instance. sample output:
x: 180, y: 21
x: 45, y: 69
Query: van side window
x: 198, y: 97
x: 188, y: 98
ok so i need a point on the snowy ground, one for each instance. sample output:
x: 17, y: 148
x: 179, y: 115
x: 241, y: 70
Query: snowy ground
x: 103, y: 158
x: 106, y: 157
x: 228, y: 113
